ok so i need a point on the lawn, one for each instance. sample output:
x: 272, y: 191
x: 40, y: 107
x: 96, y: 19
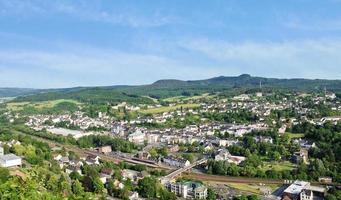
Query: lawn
x: 245, y: 187
x: 278, y: 166
x: 168, y: 108
x: 294, y: 135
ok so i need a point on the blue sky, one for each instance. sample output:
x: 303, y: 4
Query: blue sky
x: 47, y: 44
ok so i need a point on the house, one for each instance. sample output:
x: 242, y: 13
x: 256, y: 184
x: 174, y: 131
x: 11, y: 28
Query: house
x: 131, y: 174
x: 176, y: 162
x: 173, y: 148
x: 133, y: 195
x: 282, y: 129
x: 306, y: 195
x: 226, y: 156
x: 104, y: 178
x: 222, y: 155
x: 92, y: 160
x: 304, y: 143
x: 10, y: 160
x: 138, y: 137
x: 152, y: 138
x: 225, y: 143
x: 107, y: 171
x: 302, y: 155
x: 105, y: 149
x: 265, y: 139
x: 73, y: 168
x: 208, y: 147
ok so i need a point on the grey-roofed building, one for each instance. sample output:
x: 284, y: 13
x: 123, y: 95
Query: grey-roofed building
x: 10, y: 160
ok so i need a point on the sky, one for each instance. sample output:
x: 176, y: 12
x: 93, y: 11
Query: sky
x: 59, y: 43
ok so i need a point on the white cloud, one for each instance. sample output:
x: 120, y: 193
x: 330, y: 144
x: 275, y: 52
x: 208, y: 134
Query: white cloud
x: 94, y: 11
x: 303, y: 58
x: 88, y: 66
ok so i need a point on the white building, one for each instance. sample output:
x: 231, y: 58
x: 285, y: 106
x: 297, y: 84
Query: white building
x: 10, y: 160
x: 137, y: 137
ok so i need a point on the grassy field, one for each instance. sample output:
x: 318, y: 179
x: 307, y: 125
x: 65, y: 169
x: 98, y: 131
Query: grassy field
x: 245, y: 187
x: 294, y: 135
x: 168, y: 108
x: 281, y: 166
x: 16, y: 106
x: 185, y: 98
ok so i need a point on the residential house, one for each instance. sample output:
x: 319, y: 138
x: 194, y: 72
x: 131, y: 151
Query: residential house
x: 176, y: 162
x: 92, y: 159
x: 226, y: 156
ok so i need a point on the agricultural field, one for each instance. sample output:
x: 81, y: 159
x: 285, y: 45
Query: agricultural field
x: 186, y: 98
x: 17, y: 106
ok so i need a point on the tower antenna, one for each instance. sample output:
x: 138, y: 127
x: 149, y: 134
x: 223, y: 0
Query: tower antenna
x: 260, y: 84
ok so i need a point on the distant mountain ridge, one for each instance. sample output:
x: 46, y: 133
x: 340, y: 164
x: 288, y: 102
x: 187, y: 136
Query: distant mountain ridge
x: 173, y: 87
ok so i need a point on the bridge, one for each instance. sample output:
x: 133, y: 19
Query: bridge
x: 183, y: 169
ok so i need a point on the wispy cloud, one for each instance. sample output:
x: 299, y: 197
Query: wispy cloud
x: 88, y: 66
x: 94, y: 11
x: 301, y: 58
x: 317, y: 25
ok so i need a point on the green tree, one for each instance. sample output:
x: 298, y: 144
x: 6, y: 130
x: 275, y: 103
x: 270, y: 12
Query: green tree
x: 210, y: 194
x: 77, y: 188
x: 4, y: 175
x: 147, y: 187
x: 98, y: 185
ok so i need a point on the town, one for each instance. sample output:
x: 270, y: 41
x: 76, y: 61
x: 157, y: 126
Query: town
x: 187, y: 145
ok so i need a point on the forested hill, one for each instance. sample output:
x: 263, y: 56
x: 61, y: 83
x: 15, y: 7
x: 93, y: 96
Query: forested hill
x: 13, y: 92
x: 171, y: 87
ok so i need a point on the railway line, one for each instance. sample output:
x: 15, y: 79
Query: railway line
x: 192, y: 175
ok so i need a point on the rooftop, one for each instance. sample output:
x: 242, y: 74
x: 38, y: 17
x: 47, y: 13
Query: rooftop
x: 8, y: 157
x: 296, y: 187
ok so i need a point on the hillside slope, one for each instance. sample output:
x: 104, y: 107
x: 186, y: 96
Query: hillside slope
x: 168, y: 88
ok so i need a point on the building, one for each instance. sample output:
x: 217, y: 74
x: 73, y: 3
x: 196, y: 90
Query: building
x: 176, y: 162
x: 92, y: 159
x: 224, y: 155
x: 302, y: 155
x: 105, y: 149
x: 10, y: 160
x: 325, y: 180
x: 265, y: 139
x: 306, y: 195
x: 152, y: 138
x: 301, y: 190
x: 178, y: 189
x: 138, y: 137
x: 187, y: 189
